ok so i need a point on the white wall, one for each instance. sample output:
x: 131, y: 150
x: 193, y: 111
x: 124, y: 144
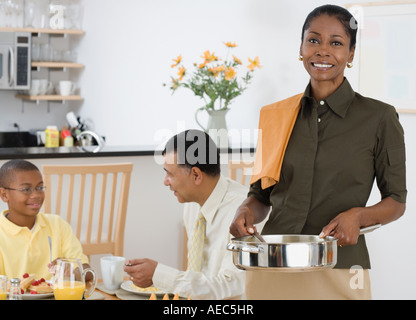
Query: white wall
x: 135, y: 52
x: 127, y: 50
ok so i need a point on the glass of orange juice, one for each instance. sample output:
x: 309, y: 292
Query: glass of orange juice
x: 70, y: 280
x: 3, y: 287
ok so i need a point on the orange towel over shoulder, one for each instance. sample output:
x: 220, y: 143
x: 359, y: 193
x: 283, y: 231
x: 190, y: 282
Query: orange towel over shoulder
x: 275, y: 127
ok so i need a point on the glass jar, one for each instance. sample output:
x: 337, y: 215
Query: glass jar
x: 15, y: 292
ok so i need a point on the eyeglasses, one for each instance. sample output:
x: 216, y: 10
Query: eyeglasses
x: 29, y: 190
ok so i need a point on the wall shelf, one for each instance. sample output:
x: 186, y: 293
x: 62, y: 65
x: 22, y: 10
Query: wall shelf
x: 44, y: 30
x: 52, y: 64
x: 49, y: 64
x: 48, y: 98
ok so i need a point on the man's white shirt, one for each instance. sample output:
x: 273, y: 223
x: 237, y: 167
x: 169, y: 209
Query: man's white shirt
x: 219, y: 278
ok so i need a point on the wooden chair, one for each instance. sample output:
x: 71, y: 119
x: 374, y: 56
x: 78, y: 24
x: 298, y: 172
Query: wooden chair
x: 234, y: 169
x: 93, y: 199
x: 233, y: 173
x: 239, y: 171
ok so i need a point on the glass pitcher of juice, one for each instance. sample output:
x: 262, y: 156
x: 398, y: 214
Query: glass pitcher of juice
x: 3, y: 287
x: 70, y: 280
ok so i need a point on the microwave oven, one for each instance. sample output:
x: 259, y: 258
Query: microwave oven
x: 15, y: 60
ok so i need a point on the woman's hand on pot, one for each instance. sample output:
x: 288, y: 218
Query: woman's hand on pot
x: 345, y: 227
x: 243, y: 222
x: 250, y: 212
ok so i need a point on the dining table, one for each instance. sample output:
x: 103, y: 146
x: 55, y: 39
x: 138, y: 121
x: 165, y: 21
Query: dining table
x: 101, y: 293
x: 126, y: 291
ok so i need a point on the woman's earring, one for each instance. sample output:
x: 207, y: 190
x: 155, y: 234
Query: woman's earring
x: 349, y: 65
x: 300, y: 58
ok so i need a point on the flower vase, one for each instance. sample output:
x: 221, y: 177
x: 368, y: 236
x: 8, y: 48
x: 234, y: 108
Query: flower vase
x: 217, y: 126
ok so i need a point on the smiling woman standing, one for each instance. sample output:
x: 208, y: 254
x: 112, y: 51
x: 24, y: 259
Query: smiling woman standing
x: 320, y: 180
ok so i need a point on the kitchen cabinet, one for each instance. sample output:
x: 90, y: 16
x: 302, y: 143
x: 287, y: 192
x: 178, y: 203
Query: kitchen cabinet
x: 36, y: 65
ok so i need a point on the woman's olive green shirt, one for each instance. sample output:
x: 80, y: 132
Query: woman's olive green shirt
x: 337, y: 148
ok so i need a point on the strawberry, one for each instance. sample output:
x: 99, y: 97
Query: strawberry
x: 22, y: 291
x: 33, y: 292
x: 26, y: 275
x: 42, y: 280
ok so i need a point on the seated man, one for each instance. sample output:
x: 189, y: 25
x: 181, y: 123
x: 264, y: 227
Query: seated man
x: 192, y: 165
x: 24, y: 231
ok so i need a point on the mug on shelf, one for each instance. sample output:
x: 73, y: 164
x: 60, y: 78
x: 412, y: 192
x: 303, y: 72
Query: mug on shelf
x: 46, y: 87
x: 66, y: 88
x: 34, y: 87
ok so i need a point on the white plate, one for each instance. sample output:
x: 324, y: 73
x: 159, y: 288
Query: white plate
x: 128, y: 286
x: 28, y: 296
x: 37, y: 296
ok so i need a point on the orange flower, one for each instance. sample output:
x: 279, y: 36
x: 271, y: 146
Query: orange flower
x: 177, y: 61
x: 203, y: 64
x: 215, y: 71
x: 175, y: 83
x: 236, y: 60
x: 209, y: 57
x: 229, y: 73
x: 230, y: 44
x: 254, y: 63
x: 215, y: 80
x: 181, y: 72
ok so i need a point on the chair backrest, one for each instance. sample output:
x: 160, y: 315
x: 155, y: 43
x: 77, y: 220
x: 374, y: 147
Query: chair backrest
x: 234, y: 173
x: 239, y: 171
x: 93, y: 199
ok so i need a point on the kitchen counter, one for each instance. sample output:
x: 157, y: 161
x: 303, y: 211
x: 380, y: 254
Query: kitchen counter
x: 87, y: 152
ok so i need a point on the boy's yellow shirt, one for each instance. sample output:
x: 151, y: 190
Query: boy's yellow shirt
x: 23, y: 250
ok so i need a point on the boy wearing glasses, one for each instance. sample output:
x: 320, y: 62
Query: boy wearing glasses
x: 24, y: 232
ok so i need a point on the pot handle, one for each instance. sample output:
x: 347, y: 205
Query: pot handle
x: 235, y: 247
x: 370, y: 228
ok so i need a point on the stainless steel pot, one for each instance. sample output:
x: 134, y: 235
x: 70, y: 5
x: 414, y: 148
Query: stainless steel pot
x: 290, y: 253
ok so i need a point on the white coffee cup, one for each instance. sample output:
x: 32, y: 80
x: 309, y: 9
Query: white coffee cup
x: 34, y: 87
x: 112, y: 271
x: 66, y: 88
x: 45, y: 87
